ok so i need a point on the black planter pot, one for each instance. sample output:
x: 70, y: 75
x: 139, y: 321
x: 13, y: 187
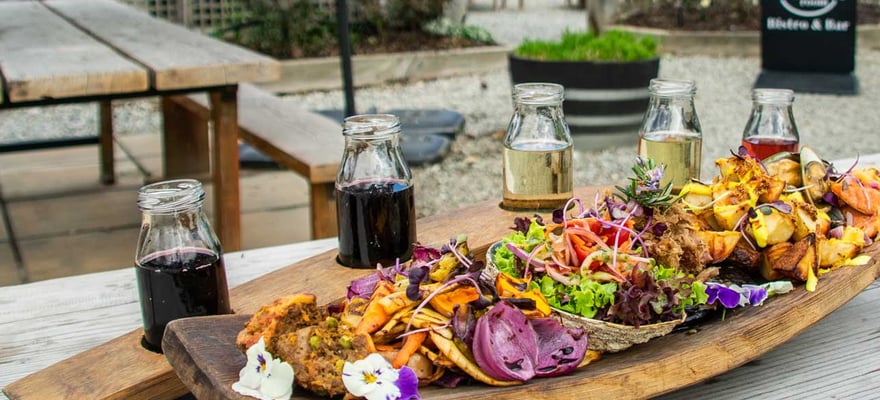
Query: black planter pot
x: 600, y: 97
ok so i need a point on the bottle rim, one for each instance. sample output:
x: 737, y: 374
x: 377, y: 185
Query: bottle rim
x: 772, y: 96
x: 370, y: 126
x: 672, y: 87
x: 538, y: 93
x: 171, y: 196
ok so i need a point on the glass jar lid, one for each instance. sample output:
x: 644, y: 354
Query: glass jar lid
x: 672, y: 88
x: 538, y: 93
x: 773, y: 96
x: 171, y: 196
x: 370, y: 126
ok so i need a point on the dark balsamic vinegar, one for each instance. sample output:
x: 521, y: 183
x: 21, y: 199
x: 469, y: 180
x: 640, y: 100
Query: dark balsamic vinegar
x: 178, y: 283
x: 376, y: 223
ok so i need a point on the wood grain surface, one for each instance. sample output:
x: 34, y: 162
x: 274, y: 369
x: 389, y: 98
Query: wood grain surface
x: 755, y: 330
x: 176, y: 57
x: 304, y: 141
x: 203, y: 352
x: 43, y: 56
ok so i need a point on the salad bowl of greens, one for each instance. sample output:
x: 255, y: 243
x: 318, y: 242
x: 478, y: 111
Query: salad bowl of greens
x: 648, y: 302
x: 621, y: 267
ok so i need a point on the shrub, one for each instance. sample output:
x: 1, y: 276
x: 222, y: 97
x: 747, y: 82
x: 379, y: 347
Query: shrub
x: 584, y: 46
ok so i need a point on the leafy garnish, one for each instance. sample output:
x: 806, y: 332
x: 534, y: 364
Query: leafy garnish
x: 655, y: 295
x: 586, y: 298
x: 644, y: 188
x: 508, y: 262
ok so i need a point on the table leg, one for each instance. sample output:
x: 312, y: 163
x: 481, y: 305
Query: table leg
x: 224, y: 158
x: 105, y: 142
x: 185, y: 143
x: 323, y: 210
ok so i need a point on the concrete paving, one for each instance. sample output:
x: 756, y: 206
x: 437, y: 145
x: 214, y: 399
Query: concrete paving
x: 66, y: 222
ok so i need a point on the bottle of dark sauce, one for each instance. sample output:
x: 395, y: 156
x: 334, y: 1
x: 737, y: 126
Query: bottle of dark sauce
x: 375, y: 206
x: 179, y: 262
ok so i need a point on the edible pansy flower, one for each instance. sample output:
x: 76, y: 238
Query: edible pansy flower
x: 732, y: 296
x: 375, y: 379
x: 264, y: 377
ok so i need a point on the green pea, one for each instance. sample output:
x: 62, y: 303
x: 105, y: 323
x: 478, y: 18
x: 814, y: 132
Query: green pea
x: 332, y: 323
x: 345, y: 342
x: 314, y: 341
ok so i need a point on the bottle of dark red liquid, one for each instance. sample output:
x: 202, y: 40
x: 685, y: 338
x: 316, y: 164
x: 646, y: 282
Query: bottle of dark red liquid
x: 178, y: 262
x: 374, y: 194
x: 771, y: 128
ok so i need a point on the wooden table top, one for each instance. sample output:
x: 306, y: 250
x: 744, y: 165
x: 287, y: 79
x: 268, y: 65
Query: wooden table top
x: 58, y: 49
x: 43, y: 323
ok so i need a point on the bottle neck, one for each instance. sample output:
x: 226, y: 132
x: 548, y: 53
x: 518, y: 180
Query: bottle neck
x: 671, y: 114
x: 171, y: 197
x: 372, y: 151
x: 772, y: 119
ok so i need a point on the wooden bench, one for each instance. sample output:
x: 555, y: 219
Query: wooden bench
x: 307, y: 143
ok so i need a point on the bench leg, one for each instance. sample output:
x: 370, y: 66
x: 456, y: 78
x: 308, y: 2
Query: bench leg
x: 105, y: 142
x: 323, y: 209
x: 224, y: 158
x: 185, y: 143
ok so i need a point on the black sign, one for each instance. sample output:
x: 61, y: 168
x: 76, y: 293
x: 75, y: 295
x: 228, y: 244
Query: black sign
x: 808, y: 35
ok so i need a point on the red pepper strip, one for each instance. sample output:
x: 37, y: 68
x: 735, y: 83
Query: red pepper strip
x: 580, y: 248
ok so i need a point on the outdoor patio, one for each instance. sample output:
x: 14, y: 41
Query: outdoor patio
x: 65, y: 222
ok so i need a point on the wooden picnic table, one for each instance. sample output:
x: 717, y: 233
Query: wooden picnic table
x: 96, y: 318
x: 69, y: 51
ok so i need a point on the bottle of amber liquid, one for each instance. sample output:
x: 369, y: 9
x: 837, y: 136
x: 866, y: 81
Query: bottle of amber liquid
x: 671, y: 134
x: 537, y: 150
x: 771, y: 128
x: 375, y: 206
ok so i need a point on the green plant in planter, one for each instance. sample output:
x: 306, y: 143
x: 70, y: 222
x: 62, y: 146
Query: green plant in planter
x: 612, y: 45
x: 605, y: 74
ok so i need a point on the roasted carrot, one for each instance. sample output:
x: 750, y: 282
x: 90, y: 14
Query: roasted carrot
x: 375, y: 316
x: 445, y: 302
x: 411, y: 344
x: 388, y: 347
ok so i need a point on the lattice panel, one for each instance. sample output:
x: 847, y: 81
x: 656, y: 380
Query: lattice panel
x: 198, y: 14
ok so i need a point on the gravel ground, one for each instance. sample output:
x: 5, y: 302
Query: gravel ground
x: 837, y: 127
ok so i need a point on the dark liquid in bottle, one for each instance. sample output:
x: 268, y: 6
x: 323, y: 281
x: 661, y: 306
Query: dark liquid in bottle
x: 377, y: 223
x: 178, y: 283
x: 766, y: 147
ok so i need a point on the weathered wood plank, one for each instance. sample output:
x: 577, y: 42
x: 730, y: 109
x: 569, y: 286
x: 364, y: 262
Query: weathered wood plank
x: 224, y: 158
x: 306, y: 142
x: 177, y: 57
x: 43, y: 56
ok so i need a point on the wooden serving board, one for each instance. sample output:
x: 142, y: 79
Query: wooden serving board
x: 203, y: 351
x: 657, y: 367
x: 141, y: 374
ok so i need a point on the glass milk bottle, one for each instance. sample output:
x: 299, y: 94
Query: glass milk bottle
x: 537, y: 150
x: 178, y: 261
x: 375, y: 208
x: 671, y: 133
x: 771, y: 128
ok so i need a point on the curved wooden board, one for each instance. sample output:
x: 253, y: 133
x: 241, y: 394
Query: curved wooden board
x: 147, y: 375
x: 203, y: 353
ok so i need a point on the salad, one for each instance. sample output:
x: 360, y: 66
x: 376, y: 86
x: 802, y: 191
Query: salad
x: 594, y: 262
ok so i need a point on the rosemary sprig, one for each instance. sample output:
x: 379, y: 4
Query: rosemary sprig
x: 644, y: 188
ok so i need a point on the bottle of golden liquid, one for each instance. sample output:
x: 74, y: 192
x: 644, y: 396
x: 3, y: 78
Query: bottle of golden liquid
x: 671, y: 133
x: 537, y: 150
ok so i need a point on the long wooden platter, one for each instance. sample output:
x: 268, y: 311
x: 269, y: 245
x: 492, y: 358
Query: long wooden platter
x: 675, y: 360
x: 203, y: 351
